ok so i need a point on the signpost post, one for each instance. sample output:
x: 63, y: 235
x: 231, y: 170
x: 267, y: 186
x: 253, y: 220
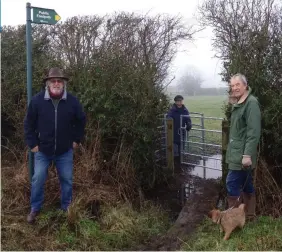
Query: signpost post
x: 29, y: 76
x: 40, y: 16
x: 0, y: 43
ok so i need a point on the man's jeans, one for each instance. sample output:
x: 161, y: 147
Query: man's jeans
x: 177, y: 149
x: 236, y: 180
x: 64, y: 165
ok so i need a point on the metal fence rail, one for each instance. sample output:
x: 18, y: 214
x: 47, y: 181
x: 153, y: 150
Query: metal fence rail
x: 201, y: 146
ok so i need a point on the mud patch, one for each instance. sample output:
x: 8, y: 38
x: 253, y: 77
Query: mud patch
x: 192, y: 214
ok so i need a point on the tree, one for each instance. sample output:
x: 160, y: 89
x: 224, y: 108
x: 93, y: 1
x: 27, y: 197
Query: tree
x: 13, y: 89
x: 190, y: 82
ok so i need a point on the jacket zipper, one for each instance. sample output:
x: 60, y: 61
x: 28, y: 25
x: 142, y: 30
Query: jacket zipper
x: 56, y: 113
x: 55, y: 129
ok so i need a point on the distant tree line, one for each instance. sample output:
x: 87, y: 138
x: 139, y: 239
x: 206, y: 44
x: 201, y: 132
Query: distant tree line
x: 190, y: 84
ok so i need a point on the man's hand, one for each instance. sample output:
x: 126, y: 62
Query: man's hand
x: 35, y: 149
x: 188, y: 127
x: 74, y: 145
x: 246, y: 161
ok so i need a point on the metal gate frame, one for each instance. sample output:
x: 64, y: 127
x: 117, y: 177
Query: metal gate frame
x: 186, y: 140
x: 164, y: 152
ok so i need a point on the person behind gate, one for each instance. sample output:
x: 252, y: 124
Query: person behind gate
x: 54, y: 126
x: 178, y: 109
x: 244, y: 136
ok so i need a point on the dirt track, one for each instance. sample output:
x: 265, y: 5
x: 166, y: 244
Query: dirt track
x: 195, y: 209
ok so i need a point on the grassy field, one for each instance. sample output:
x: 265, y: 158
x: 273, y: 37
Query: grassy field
x: 209, y: 105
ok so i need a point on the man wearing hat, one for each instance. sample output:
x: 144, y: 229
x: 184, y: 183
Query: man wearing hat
x: 178, y: 109
x: 54, y: 126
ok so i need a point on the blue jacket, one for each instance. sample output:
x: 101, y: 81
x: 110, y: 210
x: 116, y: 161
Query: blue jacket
x: 54, y: 129
x: 175, y: 114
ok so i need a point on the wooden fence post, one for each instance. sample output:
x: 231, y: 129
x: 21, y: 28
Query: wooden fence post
x: 225, y: 138
x: 169, y: 145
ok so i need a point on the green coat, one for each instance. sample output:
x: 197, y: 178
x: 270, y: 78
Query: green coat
x: 244, y: 135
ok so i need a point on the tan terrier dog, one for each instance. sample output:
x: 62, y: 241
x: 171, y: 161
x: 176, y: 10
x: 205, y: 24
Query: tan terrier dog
x: 229, y: 219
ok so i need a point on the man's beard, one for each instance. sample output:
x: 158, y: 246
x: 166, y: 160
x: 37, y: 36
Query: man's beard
x: 56, y: 95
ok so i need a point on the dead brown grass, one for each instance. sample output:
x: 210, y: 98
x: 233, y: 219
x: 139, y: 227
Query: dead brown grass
x: 94, y: 180
x: 97, y: 182
x: 269, y: 192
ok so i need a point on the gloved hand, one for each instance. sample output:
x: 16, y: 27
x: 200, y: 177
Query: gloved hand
x: 246, y: 161
x: 188, y: 127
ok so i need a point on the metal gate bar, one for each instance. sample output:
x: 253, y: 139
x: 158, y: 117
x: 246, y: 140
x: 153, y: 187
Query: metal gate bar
x: 197, y: 149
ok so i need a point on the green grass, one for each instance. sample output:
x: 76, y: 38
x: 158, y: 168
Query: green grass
x: 264, y: 234
x: 209, y: 105
x: 119, y: 228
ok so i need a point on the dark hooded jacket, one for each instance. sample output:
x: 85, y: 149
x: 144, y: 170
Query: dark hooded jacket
x: 54, y: 129
x: 175, y: 114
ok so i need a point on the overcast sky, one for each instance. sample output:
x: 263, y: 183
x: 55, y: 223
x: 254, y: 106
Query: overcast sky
x: 199, y: 53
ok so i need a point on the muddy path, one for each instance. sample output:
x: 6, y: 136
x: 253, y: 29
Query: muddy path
x: 201, y: 198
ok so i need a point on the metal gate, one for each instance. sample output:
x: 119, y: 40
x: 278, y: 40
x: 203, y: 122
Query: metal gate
x: 201, y: 147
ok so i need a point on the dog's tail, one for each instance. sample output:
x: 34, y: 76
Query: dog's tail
x: 242, y: 206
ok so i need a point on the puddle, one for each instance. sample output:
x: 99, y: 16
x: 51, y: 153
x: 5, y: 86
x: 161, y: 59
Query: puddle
x: 213, y: 168
x: 213, y: 171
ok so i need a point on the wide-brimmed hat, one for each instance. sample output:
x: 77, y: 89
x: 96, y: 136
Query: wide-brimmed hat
x: 55, y: 72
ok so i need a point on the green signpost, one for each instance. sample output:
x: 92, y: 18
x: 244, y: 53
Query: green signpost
x: 40, y: 16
